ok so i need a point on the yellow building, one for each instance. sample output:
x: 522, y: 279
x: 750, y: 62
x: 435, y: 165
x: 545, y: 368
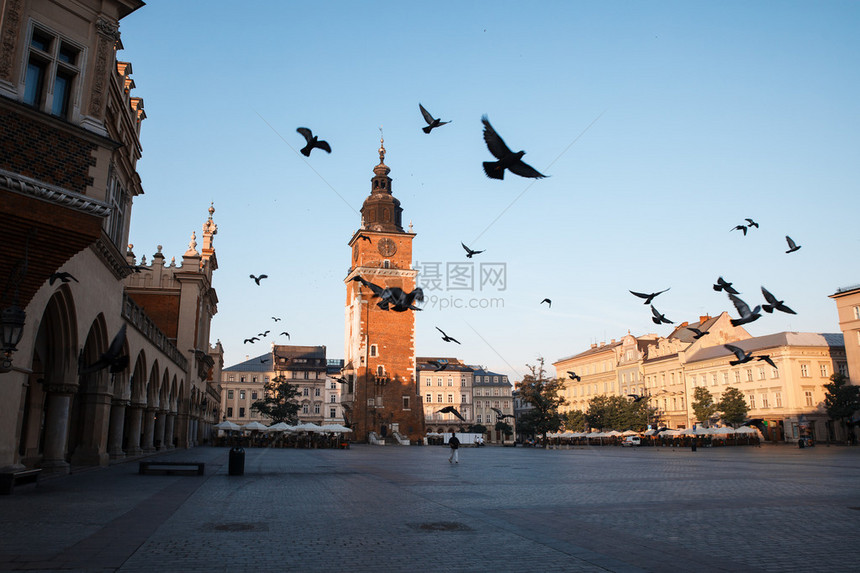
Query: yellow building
x: 848, y: 306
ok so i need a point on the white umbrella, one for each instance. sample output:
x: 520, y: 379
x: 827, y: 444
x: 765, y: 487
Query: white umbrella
x: 725, y: 431
x: 227, y: 425
x: 255, y: 426
x: 308, y: 427
x: 669, y: 433
x: 280, y: 427
x: 688, y: 432
x: 613, y: 434
x: 629, y: 433
x: 746, y: 430
x: 335, y: 429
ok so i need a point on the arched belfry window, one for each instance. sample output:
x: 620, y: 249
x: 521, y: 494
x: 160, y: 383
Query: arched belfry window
x: 386, y: 216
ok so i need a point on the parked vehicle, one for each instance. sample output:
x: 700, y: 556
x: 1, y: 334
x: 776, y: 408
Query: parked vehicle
x: 632, y: 441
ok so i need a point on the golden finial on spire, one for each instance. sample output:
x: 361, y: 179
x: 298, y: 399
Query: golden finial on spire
x: 381, y: 146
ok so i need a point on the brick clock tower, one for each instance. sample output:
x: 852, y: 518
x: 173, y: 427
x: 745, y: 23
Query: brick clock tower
x: 382, y: 390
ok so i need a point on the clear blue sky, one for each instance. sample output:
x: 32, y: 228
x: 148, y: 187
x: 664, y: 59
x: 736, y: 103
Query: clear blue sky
x: 706, y: 113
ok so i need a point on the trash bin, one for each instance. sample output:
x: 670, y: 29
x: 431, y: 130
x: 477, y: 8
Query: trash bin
x: 236, y: 465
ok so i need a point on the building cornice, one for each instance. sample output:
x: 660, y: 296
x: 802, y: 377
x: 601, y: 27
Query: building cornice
x: 29, y: 187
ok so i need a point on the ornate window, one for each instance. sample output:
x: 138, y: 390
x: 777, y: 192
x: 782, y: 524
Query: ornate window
x: 51, y: 75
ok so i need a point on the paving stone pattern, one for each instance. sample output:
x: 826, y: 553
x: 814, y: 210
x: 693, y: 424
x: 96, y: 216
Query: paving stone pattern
x: 371, y: 509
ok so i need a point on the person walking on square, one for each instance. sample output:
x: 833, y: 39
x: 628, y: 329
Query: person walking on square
x: 454, y: 443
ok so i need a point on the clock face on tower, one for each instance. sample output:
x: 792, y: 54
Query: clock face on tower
x: 386, y: 247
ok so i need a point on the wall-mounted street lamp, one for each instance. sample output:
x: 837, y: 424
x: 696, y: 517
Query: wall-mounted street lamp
x: 11, y: 329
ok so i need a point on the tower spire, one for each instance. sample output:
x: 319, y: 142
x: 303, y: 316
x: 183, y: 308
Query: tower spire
x: 381, y: 147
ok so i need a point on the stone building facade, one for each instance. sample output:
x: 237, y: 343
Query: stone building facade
x: 451, y: 386
x: 68, y: 178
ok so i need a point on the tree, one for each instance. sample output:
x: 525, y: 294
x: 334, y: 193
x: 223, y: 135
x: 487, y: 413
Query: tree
x: 618, y: 413
x: 477, y: 429
x: 841, y: 399
x: 543, y: 394
x: 703, y: 404
x: 504, y: 428
x: 574, y: 421
x: 733, y: 406
x: 278, y: 401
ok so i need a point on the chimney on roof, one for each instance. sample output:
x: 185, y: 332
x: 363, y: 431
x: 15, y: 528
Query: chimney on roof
x: 594, y: 345
x: 612, y: 341
x: 602, y: 343
x: 684, y: 324
x: 704, y: 318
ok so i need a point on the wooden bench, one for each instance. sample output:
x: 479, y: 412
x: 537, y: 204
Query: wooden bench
x: 171, y: 468
x: 8, y: 480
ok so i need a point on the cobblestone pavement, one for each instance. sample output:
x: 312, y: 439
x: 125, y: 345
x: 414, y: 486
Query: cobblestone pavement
x: 371, y: 509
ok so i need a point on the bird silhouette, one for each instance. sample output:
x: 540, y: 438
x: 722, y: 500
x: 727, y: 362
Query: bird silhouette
x: 648, y: 297
x: 726, y: 286
x: 398, y: 300
x: 470, y: 252
x: 747, y: 316
x: 757, y: 423
x: 548, y: 301
x: 739, y: 228
x: 766, y: 358
x: 659, y: 318
x: 111, y: 358
x: 264, y: 334
x: 312, y: 142
x: 574, y: 375
x: 137, y: 268
x: 285, y: 333
x: 742, y: 357
x: 431, y: 122
x: 773, y: 303
x: 501, y: 415
x: 365, y: 238
x: 276, y: 319
x: 438, y: 365
x: 507, y: 159
x: 451, y: 410
x: 447, y: 338
x: 697, y: 334
x: 636, y: 397
x: 252, y: 340
x: 61, y: 276
x: 751, y: 223
x: 263, y: 360
x: 259, y: 278
x: 792, y: 246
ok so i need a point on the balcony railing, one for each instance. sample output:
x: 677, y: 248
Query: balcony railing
x: 138, y: 318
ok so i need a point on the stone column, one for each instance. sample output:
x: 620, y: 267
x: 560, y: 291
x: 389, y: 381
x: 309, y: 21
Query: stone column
x: 95, y: 412
x: 192, y: 432
x: 168, y: 430
x: 180, y: 430
x: 160, y: 419
x: 135, y: 423
x: 201, y: 432
x: 117, y: 424
x: 148, y: 429
x: 57, y: 427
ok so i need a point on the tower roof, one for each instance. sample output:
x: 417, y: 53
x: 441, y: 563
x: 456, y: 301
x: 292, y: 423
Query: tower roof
x: 381, y: 211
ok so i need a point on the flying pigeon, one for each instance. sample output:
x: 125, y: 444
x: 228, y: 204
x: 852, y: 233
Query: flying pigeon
x: 259, y: 278
x: 276, y: 319
x: 507, y: 159
x: 636, y: 397
x: 648, y: 297
x: 285, y: 332
x: 501, y: 415
x: 659, y: 318
x: 773, y: 304
x: 747, y: 316
x: 252, y: 340
x: 365, y: 238
x: 61, y: 276
x: 792, y: 246
x: 470, y: 252
x: 697, y: 334
x: 312, y: 141
x: 264, y: 334
x: 766, y: 358
x: 574, y: 375
x: 451, y: 410
x: 439, y: 365
x: 726, y: 286
x: 111, y: 358
x: 742, y: 357
x: 751, y: 223
x: 739, y: 228
x: 548, y: 301
x: 431, y: 122
x: 447, y: 338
